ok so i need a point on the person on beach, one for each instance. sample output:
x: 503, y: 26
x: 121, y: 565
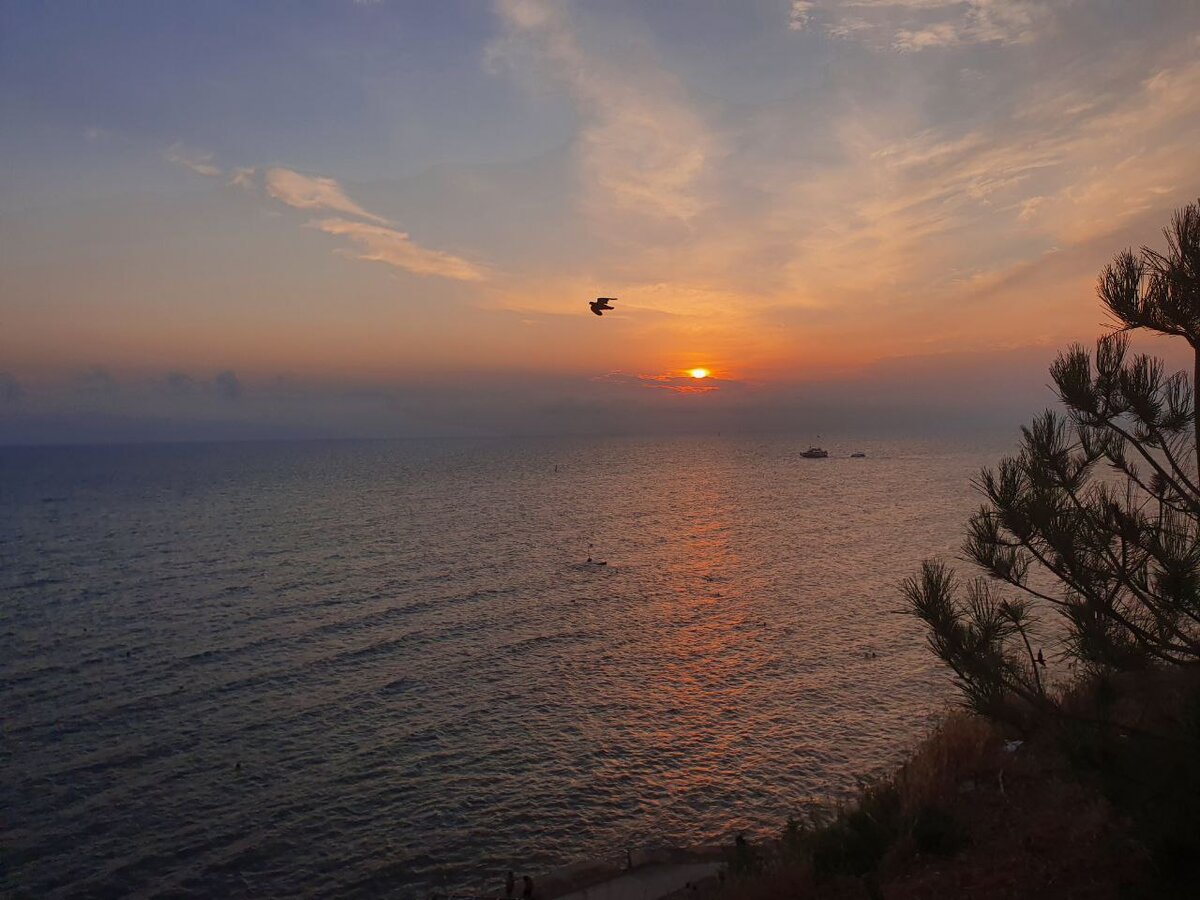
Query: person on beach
x: 510, y: 885
x: 743, y: 856
x: 527, y: 890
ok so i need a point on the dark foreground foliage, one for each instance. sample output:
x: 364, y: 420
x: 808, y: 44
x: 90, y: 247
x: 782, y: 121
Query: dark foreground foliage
x: 1075, y: 810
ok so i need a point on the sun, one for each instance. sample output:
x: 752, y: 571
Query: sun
x: 698, y: 373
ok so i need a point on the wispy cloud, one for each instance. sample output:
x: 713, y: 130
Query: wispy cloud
x: 800, y: 14
x: 244, y: 177
x: 377, y: 238
x: 642, y: 148
x: 394, y: 248
x: 914, y: 215
x: 915, y: 25
x: 675, y: 383
x: 198, y: 161
x: 313, y: 192
x: 1116, y: 161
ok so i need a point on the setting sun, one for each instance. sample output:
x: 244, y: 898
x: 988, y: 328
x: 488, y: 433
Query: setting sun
x: 698, y: 373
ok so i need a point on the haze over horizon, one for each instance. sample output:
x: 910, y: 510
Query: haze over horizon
x: 375, y: 218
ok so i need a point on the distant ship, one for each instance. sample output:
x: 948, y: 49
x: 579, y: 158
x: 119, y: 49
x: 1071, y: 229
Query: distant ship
x: 815, y: 453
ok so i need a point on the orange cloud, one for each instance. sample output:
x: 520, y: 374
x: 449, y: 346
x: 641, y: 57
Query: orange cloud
x: 198, y: 162
x: 313, y: 192
x: 395, y: 248
x: 678, y: 384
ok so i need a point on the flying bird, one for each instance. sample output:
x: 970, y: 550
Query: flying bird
x: 600, y: 304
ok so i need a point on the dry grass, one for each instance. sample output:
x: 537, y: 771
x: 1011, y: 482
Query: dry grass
x: 960, y: 750
x: 1104, y: 803
x: 965, y: 818
x: 1030, y: 828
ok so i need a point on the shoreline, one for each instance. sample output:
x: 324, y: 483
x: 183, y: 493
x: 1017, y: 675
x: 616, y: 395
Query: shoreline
x: 980, y: 808
x: 649, y: 873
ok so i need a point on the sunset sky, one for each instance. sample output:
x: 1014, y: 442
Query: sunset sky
x: 387, y: 217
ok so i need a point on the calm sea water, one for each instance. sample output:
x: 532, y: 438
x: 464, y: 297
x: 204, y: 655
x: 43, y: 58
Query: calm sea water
x: 357, y: 669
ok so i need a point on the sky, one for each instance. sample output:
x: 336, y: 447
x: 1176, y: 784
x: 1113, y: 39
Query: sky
x: 362, y: 218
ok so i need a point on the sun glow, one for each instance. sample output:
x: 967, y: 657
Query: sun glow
x: 698, y: 373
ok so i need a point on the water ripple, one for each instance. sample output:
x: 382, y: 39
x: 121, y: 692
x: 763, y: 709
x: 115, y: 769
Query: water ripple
x: 354, y: 669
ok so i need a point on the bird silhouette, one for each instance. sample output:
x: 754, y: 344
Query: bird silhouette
x: 600, y: 304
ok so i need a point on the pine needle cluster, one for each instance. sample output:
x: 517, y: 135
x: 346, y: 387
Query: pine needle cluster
x: 1096, y: 518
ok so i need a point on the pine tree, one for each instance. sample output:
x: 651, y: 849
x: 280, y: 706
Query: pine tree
x: 1097, y: 516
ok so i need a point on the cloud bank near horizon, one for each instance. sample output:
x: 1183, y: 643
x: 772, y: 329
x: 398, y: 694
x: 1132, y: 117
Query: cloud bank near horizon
x: 919, y: 397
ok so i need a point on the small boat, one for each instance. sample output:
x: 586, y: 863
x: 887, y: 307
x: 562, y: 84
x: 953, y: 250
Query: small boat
x: 815, y: 453
x: 858, y: 455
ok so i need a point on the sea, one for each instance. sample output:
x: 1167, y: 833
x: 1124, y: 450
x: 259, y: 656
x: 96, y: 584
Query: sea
x: 387, y: 668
